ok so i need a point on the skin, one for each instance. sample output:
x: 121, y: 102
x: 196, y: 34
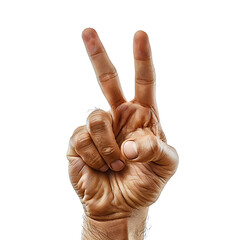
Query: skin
x: 120, y: 161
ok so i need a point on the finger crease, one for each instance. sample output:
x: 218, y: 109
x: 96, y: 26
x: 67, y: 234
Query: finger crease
x: 105, y: 77
x: 142, y: 81
x: 97, y: 53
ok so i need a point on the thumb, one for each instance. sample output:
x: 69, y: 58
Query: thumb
x: 130, y: 149
x: 149, y: 148
x: 142, y: 148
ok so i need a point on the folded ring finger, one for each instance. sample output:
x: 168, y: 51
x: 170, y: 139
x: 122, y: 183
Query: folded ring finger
x: 86, y: 149
x: 99, y: 126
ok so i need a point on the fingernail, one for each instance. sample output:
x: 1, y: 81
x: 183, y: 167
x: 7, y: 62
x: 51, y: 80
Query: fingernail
x: 104, y: 168
x: 130, y: 149
x: 117, y: 165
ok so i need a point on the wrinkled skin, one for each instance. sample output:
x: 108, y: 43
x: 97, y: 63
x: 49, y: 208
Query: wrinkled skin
x: 113, y: 194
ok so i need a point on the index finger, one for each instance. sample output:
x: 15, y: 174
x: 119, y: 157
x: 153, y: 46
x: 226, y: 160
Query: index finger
x: 105, y: 71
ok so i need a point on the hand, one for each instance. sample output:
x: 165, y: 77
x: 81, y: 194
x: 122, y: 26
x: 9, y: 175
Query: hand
x: 120, y: 161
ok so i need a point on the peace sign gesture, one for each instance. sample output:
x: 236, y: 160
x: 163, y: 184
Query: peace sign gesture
x: 120, y: 160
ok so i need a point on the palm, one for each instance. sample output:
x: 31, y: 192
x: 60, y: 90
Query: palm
x: 134, y: 187
x: 137, y: 185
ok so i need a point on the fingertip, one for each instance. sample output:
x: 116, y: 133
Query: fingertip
x: 141, y: 46
x: 117, y: 165
x: 104, y: 168
x: 140, y: 34
x: 88, y: 33
x: 92, y: 41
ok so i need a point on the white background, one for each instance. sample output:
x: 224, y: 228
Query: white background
x: 48, y: 87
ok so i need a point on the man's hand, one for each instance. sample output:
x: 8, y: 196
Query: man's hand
x: 120, y: 161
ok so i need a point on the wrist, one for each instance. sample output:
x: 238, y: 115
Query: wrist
x: 131, y: 228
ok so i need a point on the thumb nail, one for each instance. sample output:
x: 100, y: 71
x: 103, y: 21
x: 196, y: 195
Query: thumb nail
x: 130, y: 149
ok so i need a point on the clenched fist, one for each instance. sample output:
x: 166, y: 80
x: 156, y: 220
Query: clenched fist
x: 120, y: 161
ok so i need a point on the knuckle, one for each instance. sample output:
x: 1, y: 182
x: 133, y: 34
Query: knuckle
x: 75, y: 132
x: 83, y: 141
x: 74, y: 136
x: 97, y: 125
x: 97, y: 122
x: 105, y: 77
x: 95, y: 161
x: 107, y: 151
x: 145, y: 81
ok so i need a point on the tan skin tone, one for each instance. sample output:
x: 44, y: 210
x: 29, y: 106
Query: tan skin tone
x: 120, y: 161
